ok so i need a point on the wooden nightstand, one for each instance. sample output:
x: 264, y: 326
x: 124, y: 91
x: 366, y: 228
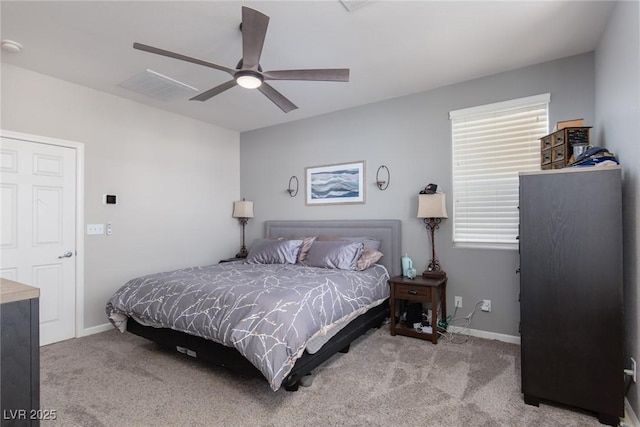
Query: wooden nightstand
x: 420, y: 289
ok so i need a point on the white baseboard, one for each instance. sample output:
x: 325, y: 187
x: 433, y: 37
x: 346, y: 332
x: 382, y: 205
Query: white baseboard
x: 630, y: 418
x: 484, y: 334
x: 455, y: 329
x: 96, y: 329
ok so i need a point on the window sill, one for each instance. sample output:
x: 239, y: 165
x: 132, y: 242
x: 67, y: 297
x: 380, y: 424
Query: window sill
x: 498, y: 246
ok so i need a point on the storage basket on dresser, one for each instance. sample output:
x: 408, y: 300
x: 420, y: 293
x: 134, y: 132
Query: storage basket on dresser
x: 557, y: 147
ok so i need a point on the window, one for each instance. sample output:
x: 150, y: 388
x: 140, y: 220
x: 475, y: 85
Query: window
x: 491, y: 145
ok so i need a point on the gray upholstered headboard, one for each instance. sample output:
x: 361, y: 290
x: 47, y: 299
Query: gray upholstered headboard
x: 388, y: 231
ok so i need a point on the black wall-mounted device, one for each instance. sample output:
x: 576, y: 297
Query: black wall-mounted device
x: 110, y: 199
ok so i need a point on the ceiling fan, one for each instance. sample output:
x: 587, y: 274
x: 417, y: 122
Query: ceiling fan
x: 248, y: 73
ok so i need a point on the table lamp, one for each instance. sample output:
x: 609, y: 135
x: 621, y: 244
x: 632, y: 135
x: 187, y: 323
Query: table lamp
x: 432, y: 207
x: 243, y: 210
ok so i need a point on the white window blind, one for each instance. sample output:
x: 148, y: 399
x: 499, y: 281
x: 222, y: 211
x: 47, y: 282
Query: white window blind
x: 491, y: 145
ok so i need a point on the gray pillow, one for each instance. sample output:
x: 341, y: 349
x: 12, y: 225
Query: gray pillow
x: 266, y: 251
x: 369, y: 243
x: 338, y: 254
x: 306, y: 244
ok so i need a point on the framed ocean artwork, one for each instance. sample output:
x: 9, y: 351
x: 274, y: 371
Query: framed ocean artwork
x: 334, y: 184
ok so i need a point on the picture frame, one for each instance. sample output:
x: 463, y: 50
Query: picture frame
x: 341, y: 183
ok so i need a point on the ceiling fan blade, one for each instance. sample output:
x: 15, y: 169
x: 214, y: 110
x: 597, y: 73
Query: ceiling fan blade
x: 174, y: 55
x: 214, y: 91
x: 277, y: 98
x: 327, y: 75
x: 254, y: 31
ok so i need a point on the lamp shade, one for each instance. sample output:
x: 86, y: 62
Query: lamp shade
x: 432, y: 205
x: 243, y: 209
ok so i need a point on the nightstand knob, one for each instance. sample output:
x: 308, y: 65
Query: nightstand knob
x: 413, y: 292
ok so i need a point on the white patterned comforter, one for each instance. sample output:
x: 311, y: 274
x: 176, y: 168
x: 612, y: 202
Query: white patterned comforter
x: 268, y: 312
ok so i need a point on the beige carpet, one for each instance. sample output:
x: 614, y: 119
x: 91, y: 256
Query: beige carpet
x: 113, y: 379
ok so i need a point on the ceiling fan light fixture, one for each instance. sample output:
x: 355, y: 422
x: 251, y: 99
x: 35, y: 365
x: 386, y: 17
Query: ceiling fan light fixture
x: 248, y: 73
x: 248, y: 79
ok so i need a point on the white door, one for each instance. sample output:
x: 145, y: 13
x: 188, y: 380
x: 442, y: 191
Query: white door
x: 38, y: 234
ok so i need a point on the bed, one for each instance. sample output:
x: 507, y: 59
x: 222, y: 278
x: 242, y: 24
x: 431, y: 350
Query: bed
x: 310, y: 312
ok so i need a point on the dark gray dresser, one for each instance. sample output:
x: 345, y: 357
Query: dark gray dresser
x: 571, y: 289
x: 19, y: 354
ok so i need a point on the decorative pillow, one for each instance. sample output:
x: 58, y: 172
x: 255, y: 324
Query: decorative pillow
x: 369, y: 243
x: 367, y: 259
x: 338, y: 254
x: 304, y: 249
x: 266, y: 251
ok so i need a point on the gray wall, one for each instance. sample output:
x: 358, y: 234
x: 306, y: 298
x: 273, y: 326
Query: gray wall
x: 176, y: 179
x: 617, y: 62
x: 411, y: 135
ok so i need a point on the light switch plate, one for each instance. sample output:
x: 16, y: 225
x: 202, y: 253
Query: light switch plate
x: 95, y: 228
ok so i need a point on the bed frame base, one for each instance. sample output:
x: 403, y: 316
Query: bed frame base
x: 230, y: 358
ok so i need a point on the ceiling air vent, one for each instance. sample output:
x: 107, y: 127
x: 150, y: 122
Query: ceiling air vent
x: 157, y: 85
x: 352, y: 5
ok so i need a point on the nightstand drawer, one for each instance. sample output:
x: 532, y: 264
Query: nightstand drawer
x: 410, y: 292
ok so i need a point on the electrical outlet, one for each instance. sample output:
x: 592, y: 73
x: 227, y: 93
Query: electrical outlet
x: 486, y: 305
x: 458, y: 302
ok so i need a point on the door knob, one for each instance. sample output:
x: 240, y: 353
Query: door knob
x: 66, y: 254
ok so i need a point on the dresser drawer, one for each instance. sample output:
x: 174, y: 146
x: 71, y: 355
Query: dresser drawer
x: 558, y: 138
x: 545, y: 157
x: 410, y: 292
x: 546, y: 142
x: 559, y: 153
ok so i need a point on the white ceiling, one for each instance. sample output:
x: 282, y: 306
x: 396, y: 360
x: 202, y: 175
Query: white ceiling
x: 393, y: 48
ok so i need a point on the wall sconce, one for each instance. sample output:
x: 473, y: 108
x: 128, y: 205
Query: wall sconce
x: 432, y: 207
x: 243, y: 210
x: 293, y: 192
x: 383, y: 177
